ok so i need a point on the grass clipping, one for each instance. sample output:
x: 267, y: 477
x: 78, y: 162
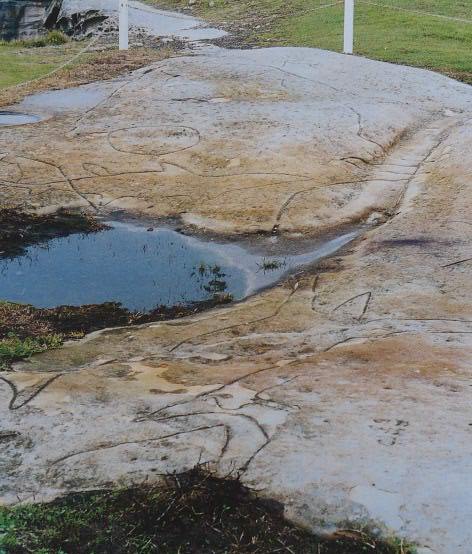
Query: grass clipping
x: 194, y: 512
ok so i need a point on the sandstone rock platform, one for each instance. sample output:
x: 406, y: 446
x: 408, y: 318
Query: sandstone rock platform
x: 343, y: 392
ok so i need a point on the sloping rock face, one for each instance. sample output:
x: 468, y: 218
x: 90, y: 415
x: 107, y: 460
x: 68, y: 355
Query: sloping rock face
x: 20, y: 19
x: 74, y: 17
x: 344, y: 392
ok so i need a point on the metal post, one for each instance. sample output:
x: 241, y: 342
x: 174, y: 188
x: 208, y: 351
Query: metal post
x: 348, y: 26
x: 123, y: 24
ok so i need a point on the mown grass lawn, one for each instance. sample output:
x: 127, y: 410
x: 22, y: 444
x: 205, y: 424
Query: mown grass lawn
x: 18, y: 65
x: 382, y: 32
x: 21, y: 66
x: 22, y: 61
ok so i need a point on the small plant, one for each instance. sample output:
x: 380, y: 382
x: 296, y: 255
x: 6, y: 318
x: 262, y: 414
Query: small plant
x: 53, y: 38
x: 271, y: 265
x: 7, y: 527
x: 56, y: 38
x: 216, y: 283
x: 13, y: 348
x: 215, y: 286
x: 223, y: 298
x: 39, y: 42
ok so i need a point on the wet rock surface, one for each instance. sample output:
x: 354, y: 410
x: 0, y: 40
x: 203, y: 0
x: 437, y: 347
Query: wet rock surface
x: 16, y: 118
x: 344, y: 393
x: 172, y: 269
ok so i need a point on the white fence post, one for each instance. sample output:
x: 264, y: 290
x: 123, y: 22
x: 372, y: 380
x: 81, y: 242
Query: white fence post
x: 348, y: 26
x: 124, y: 24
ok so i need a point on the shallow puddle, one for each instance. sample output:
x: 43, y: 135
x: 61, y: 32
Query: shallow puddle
x: 66, y: 101
x: 17, y: 118
x: 143, y: 268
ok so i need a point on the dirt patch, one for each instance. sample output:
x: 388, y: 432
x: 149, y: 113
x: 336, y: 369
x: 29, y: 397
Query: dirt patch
x: 75, y: 321
x: 194, y: 512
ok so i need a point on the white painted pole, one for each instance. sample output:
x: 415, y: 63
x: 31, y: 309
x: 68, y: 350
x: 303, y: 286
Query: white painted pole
x: 348, y: 26
x: 124, y: 24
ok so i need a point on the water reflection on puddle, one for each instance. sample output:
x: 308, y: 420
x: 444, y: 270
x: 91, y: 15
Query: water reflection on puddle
x: 143, y: 268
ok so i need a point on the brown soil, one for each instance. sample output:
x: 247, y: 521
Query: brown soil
x: 71, y: 322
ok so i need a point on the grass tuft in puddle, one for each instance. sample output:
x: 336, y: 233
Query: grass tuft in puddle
x: 271, y: 265
x: 194, y: 512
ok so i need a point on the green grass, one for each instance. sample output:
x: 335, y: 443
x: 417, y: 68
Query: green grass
x: 195, y: 513
x: 21, y: 63
x: 53, y: 38
x: 388, y: 35
x: 24, y: 60
x: 18, y: 66
x: 14, y: 348
x: 381, y: 33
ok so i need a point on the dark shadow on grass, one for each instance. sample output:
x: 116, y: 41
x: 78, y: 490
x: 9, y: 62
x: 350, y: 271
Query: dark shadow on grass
x: 194, y: 512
